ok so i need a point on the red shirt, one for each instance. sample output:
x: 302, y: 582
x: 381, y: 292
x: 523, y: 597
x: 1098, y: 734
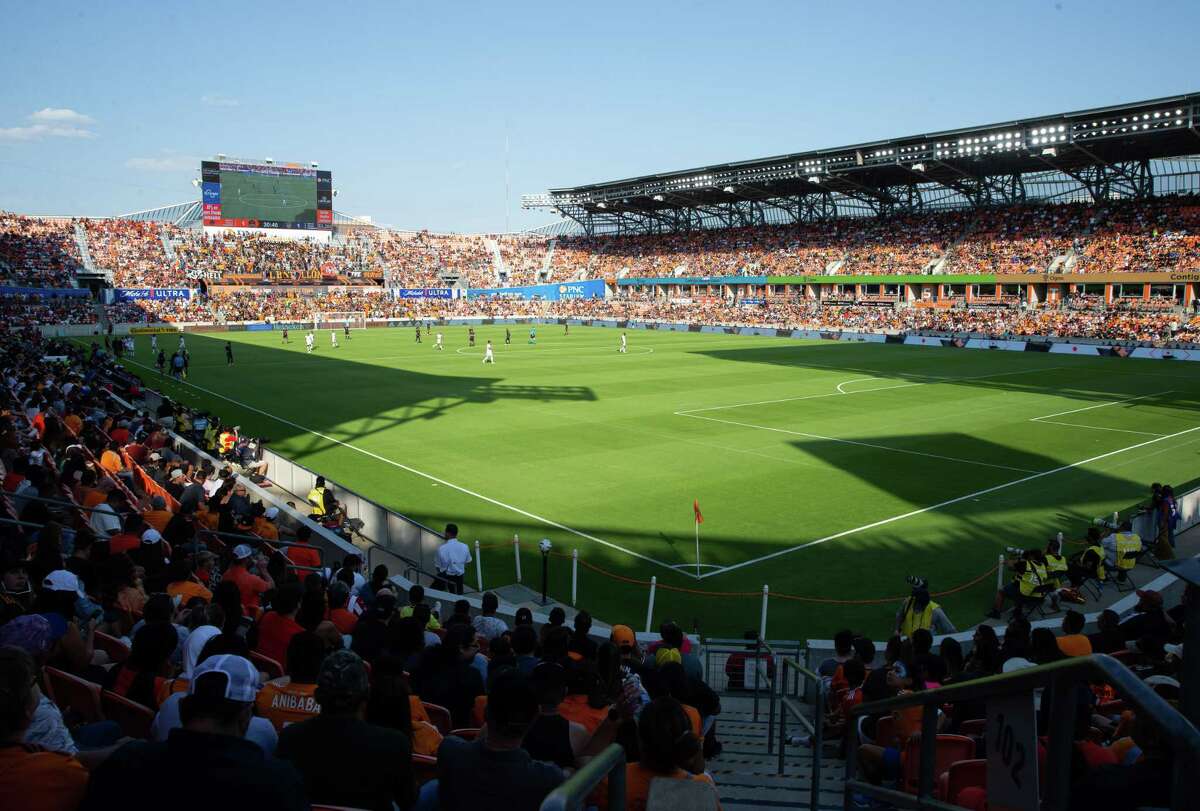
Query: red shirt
x: 250, y: 585
x: 119, y: 435
x: 343, y: 620
x: 275, y: 631
x: 123, y: 542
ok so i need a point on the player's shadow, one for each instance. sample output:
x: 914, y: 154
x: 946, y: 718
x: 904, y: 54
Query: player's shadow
x: 1005, y: 371
x: 292, y: 396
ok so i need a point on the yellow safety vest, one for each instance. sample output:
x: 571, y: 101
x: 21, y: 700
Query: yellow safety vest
x: 228, y: 440
x: 1056, y: 567
x: 913, y: 621
x: 1098, y: 551
x: 1127, y: 543
x: 1031, y: 580
x: 316, y: 500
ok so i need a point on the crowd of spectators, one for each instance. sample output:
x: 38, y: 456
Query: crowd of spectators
x: 523, y: 258
x: 31, y: 309
x: 1020, y: 239
x: 1119, y: 760
x: 229, y: 651
x: 1161, y: 233
x: 37, y: 251
x: 133, y: 251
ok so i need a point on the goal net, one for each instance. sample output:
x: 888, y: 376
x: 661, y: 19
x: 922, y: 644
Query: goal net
x: 335, y: 320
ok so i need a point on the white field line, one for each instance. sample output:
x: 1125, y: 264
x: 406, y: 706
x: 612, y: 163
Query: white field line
x: 1094, y: 427
x: 929, y: 382
x: 948, y: 502
x: 540, y: 519
x: 1102, y: 405
x: 848, y: 382
x: 857, y: 442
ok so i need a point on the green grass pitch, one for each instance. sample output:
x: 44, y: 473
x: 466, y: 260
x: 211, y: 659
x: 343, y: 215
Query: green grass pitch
x: 285, y: 198
x: 826, y: 470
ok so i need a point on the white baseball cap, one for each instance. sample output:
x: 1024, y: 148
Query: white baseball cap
x: 62, y: 580
x: 241, y: 677
x: 177, y: 473
x: 242, y: 551
x: 151, y: 535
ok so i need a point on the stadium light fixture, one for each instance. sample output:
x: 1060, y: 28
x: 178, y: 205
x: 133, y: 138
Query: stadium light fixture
x: 918, y: 167
x: 814, y: 179
x: 601, y: 205
x: 728, y: 190
x: 658, y: 198
x: 1050, y: 152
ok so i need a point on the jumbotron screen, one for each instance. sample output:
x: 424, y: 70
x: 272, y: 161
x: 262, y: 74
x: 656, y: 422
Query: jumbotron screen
x: 261, y: 195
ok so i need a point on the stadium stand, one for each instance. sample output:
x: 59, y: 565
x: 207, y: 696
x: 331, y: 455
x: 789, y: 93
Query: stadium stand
x: 81, y: 619
x: 37, y: 251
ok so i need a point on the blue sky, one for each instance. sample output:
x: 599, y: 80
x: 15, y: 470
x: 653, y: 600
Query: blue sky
x: 108, y: 107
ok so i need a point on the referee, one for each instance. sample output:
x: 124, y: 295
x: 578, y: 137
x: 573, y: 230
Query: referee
x: 451, y: 561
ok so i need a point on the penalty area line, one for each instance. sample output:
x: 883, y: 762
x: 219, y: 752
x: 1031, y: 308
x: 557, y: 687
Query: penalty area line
x: 948, y: 502
x: 533, y: 516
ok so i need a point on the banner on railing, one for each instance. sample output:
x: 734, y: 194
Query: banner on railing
x: 423, y: 292
x: 151, y: 293
x: 65, y: 292
x: 544, y: 292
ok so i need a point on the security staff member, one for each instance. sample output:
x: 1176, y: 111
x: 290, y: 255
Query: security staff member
x: 320, y: 500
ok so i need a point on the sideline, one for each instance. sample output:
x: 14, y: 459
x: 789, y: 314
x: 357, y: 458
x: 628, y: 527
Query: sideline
x: 533, y: 516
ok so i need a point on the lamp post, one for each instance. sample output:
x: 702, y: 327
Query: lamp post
x: 544, y: 546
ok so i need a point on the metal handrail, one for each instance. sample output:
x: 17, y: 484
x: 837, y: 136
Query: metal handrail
x: 1181, y: 734
x: 571, y: 794
x: 815, y: 727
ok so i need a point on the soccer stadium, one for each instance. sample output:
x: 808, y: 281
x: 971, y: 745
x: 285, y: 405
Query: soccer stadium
x: 861, y: 476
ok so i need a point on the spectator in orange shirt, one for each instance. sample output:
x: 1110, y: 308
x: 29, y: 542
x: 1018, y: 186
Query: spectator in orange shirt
x: 339, y: 597
x: 183, y: 583
x: 42, y: 780
x: 251, y: 586
x: 158, y: 515
x: 264, y: 522
x: 304, y: 555
x: 669, y: 751
x: 290, y: 698
x: 1074, y: 642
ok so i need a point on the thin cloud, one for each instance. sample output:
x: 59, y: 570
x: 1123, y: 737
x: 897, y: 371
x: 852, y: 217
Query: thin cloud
x: 218, y: 100
x: 61, y: 116
x: 164, y: 163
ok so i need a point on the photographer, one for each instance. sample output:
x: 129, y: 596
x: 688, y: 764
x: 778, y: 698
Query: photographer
x: 1029, y: 582
x: 919, y: 611
x: 1089, y: 563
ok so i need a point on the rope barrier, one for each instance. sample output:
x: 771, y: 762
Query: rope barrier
x: 758, y: 592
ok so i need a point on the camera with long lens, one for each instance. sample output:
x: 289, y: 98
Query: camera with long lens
x: 916, y: 581
x: 1015, y: 551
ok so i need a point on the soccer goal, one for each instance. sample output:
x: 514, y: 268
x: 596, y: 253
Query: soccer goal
x: 356, y: 320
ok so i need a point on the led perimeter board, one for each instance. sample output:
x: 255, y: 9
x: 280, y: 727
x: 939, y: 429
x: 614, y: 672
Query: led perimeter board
x: 238, y: 194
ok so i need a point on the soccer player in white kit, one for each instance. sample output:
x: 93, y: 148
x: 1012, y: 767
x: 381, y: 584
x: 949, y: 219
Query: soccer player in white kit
x: 437, y: 344
x: 488, y: 357
x: 182, y: 345
x: 333, y: 337
x: 154, y: 344
x: 622, y: 349
x: 308, y: 341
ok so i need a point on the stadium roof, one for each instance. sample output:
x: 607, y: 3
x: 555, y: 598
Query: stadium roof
x: 1104, y: 152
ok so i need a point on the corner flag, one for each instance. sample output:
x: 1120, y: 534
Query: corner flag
x: 696, y: 510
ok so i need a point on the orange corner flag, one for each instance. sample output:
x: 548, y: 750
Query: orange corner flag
x: 696, y: 510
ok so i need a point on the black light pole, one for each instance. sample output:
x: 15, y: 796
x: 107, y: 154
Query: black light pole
x: 544, y: 546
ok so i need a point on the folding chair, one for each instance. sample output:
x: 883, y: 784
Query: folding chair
x: 134, y: 719
x: 117, y: 650
x: 438, y: 716
x: 267, y: 665
x: 74, y: 695
x: 961, y: 775
x: 948, y: 749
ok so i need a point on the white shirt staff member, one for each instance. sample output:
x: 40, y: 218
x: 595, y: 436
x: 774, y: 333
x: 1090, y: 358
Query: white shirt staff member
x: 451, y: 561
